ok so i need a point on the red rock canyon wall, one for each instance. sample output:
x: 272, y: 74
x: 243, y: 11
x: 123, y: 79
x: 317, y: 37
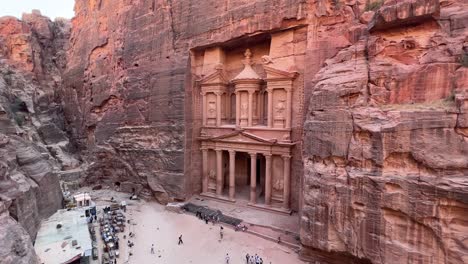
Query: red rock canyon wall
x: 382, y: 167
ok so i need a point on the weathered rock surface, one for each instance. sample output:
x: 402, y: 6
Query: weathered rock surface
x: 33, y: 146
x: 385, y: 148
x: 16, y: 243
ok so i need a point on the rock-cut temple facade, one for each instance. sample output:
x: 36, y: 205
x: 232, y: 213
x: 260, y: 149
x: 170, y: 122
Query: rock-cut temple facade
x: 244, y: 97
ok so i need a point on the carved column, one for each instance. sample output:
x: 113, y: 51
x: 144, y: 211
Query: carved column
x: 270, y: 107
x: 204, y: 108
x: 268, y: 179
x: 218, y: 108
x: 205, y: 170
x: 238, y: 98
x: 219, y: 172
x: 232, y: 174
x: 288, y: 107
x: 253, y: 178
x: 286, y: 180
x: 249, y: 122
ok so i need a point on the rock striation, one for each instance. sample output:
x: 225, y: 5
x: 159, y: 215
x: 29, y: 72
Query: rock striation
x: 381, y: 159
x: 385, y: 158
x: 34, y: 148
x: 16, y: 243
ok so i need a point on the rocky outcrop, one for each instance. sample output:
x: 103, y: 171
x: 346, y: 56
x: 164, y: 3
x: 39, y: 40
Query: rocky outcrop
x: 385, y: 155
x: 16, y: 243
x: 33, y: 146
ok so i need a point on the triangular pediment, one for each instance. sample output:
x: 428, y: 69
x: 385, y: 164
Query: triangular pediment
x: 216, y: 78
x: 243, y: 137
x: 273, y: 73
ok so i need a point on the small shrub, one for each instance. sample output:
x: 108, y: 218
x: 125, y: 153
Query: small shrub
x: 451, y: 97
x: 373, y: 5
x: 464, y: 59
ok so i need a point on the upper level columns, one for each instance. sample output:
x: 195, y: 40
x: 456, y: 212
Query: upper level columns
x: 288, y: 107
x: 218, y: 108
x: 204, y: 108
x: 270, y: 107
x: 249, y: 123
x: 279, y: 87
x: 237, y: 108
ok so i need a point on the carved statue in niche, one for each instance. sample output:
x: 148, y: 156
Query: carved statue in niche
x: 212, y: 109
x: 278, y: 185
x: 244, y: 108
x: 280, y: 107
x: 212, y: 175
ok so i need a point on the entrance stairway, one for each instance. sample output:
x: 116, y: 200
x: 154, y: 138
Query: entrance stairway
x: 211, y: 213
x: 284, y: 237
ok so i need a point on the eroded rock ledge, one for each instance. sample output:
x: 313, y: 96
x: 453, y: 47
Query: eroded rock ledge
x: 34, y: 148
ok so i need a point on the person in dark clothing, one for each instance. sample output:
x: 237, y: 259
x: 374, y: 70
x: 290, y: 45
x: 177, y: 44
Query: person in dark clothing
x: 180, y: 240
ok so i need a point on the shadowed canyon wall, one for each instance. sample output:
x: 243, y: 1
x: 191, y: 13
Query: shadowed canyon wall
x: 34, y: 150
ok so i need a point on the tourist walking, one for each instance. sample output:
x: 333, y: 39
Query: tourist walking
x: 152, y: 248
x: 180, y: 240
x: 247, y: 258
x: 227, y: 258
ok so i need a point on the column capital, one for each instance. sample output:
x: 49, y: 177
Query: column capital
x: 231, y: 152
x: 251, y: 91
x: 203, y: 93
x: 218, y: 150
x: 286, y: 156
x: 252, y: 154
x: 218, y: 93
x: 267, y: 155
x: 288, y: 89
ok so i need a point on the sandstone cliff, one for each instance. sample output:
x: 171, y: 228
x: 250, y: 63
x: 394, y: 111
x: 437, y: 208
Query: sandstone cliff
x: 384, y: 146
x: 34, y: 149
x: 385, y: 143
x: 128, y: 82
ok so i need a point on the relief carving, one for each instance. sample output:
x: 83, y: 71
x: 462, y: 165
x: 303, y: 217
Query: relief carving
x: 278, y: 186
x: 244, y: 108
x: 212, y: 175
x: 280, y: 107
x: 212, y: 109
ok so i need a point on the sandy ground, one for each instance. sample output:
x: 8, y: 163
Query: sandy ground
x: 153, y: 224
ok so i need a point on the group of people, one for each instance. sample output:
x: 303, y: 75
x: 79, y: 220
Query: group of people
x: 253, y: 259
x: 207, y: 218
